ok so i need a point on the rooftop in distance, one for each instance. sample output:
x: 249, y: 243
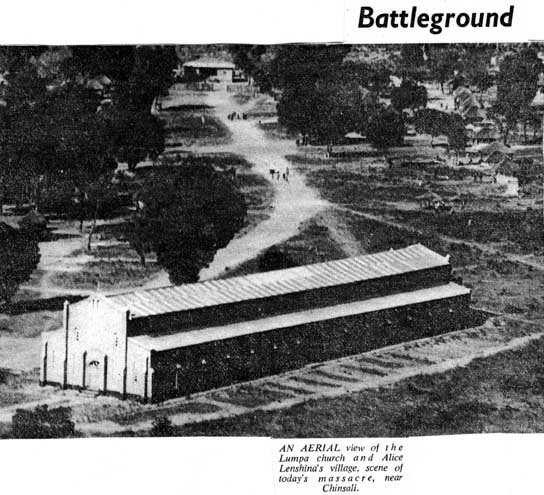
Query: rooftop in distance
x: 209, y: 63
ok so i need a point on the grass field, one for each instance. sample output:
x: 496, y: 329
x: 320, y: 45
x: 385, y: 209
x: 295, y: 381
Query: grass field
x: 258, y: 194
x: 106, y: 274
x: 484, y: 219
x: 313, y: 244
x: 109, y: 252
x: 187, y: 127
x: 502, y: 393
x: 517, y: 231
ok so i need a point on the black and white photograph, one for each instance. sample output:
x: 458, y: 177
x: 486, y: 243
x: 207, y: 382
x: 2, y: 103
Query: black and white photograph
x: 290, y: 240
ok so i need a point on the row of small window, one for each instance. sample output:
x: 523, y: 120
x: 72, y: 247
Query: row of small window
x: 228, y: 355
x: 115, y: 343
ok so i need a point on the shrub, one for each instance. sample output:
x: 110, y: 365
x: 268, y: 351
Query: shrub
x: 43, y: 422
x: 162, y: 427
x: 275, y: 258
x: 34, y: 224
x: 19, y: 256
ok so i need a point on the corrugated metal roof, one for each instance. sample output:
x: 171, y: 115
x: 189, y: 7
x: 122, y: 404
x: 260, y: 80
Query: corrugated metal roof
x: 260, y: 285
x: 209, y: 63
x: 195, y: 337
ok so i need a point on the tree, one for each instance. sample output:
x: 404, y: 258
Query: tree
x: 481, y: 79
x: 456, y: 133
x: 253, y: 60
x: 135, y: 136
x: 409, y: 95
x: 34, y: 225
x: 431, y: 121
x: 315, y: 100
x: 437, y: 123
x: 379, y: 75
x: 443, y: 62
x: 188, y: 214
x: 43, y: 422
x: 475, y: 68
x: 19, y: 257
x: 386, y: 128
x: 328, y: 113
x: 412, y: 61
x: 517, y: 86
x: 140, y: 73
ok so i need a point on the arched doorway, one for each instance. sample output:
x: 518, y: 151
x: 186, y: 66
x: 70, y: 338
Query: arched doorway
x: 96, y: 370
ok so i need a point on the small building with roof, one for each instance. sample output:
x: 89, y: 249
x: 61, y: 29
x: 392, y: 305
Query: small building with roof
x: 170, y: 342
x: 467, y: 105
x: 493, y: 152
x: 210, y: 70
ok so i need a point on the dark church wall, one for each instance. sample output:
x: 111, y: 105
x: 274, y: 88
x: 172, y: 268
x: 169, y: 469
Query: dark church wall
x: 296, y: 301
x: 192, y: 369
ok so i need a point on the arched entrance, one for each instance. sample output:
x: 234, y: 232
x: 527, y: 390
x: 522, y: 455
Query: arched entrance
x: 96, y: 371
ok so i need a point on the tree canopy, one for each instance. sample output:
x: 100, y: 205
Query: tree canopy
x: 409, y: 95
x: 517, y: 86
x: 55, y: 124
x: 386, y: 128
x: 317, y: 99
x: 188, y: 214
x: 431, y: 121
x: 19, y: 256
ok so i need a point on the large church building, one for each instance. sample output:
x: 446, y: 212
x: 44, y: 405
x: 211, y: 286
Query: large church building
x: 162, y: 343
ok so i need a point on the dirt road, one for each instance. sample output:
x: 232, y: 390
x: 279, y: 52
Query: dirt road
x: 294, y: 202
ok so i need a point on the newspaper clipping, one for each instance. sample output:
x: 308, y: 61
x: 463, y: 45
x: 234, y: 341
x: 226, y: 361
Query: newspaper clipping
x: 277, y: 249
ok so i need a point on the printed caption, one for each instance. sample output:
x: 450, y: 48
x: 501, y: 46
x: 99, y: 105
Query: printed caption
x: 339, y: 466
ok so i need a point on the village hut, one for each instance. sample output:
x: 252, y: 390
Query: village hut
x: 467, y: 105
x: 354, y: 138
x: 484, y: 135
x: 463, y: 199
x: 496, y: 152
x: 208, y: 68
x: 430, y: 200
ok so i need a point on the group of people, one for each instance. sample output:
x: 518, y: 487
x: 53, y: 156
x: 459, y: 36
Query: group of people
x: 237, y: 116
x: 276, y: 174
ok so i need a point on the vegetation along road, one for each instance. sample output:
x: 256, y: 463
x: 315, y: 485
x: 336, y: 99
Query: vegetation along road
x: 294, y: 202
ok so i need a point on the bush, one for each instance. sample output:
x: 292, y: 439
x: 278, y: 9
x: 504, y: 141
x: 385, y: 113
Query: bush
x: 162, y: 427
x: 19, y: 256
x: 43, y: 422
x: 386, y: 129
x: 275, y: 258
x: 34, y: 224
